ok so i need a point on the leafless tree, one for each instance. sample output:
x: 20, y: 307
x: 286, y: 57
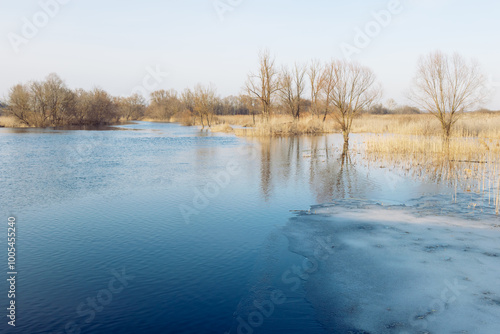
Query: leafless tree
x: 187, y: 100
x: 251, y: 104
x: 42, y: 103
x: 57, y: 98
x: 328, y: 81
x: 164, y: 104
x: 19, y: 104
x: 206, y: 103
x: 51, y: 103
x: 131, y: 107
x: 265, y: 83
x: 446, y: 86
x: 354, y: 90
x: 291, y: 89
x: 102, y: 109
x: 83, y: 106
x: 316, y: 82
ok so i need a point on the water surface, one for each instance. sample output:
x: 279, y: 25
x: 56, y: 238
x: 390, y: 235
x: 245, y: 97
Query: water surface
x: 195, y: 218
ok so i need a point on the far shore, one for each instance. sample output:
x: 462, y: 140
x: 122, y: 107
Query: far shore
x: 481, y: 124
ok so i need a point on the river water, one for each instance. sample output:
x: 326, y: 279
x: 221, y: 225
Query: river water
x: 160, y: 228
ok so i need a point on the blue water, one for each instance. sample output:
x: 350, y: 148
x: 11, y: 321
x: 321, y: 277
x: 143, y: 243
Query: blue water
x: 95, y: 205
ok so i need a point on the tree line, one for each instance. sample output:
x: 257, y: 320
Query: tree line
x: 50, y: 103
x: 444, y: 86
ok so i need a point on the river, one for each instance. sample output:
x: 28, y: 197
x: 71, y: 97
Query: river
x: 160, y: 228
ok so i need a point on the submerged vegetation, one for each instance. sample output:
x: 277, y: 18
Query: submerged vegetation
x: 483, y: 124
x: 470, y: 163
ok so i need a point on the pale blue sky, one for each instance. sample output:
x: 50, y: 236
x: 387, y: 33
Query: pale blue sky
x: 111, y: 43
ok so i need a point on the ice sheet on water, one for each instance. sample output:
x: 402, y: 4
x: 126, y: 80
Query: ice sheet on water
x: 426, y: 266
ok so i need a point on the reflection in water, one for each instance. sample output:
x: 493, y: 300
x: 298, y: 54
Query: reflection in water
x: 97, y: 200
x: 330, y: 172
x: 265, y: 168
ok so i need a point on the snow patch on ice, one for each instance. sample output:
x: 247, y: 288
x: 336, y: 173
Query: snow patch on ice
x: 401, y: 269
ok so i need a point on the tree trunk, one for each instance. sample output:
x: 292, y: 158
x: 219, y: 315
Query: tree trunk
x: 346, y: 140
x: 446, y: 137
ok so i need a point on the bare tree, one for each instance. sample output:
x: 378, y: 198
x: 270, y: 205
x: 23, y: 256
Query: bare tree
x: 164, y: 104
x: 19, y: 104
x: 446, y: 86
x: 354, y: 91
x: 42, y: 103
x: 83, y: 106
x: 52, y: 103
x: 328, y: 80
x: 103, y: 109
x: 292, y: 87
x: 58, y: 99
x: 206, y: 103
x: 132, y: 107
x: 391, y: 104
x: 39, y: 106
x: 316, y: 82
x: 265, y: 83
x: 250, y: 103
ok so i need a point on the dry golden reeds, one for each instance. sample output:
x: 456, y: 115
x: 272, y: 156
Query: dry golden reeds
x: 469, y: 163
x: 10, y: 122
x: 482, y: 125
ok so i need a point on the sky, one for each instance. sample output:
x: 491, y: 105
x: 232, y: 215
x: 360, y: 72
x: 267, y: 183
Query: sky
x: 139, y: 46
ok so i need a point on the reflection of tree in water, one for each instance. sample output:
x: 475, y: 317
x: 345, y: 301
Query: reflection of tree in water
x: 333, y: 173
x: 280, y: 161
x: 329, y: 173
x: 265, y: 168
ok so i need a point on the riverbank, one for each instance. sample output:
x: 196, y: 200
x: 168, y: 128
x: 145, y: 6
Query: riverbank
x: 477, y: 124
x: 12, y: 122
x: 484, y: 125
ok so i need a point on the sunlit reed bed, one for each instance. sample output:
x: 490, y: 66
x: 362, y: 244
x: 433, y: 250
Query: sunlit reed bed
x: 478, y: 124
x: 10, y: 122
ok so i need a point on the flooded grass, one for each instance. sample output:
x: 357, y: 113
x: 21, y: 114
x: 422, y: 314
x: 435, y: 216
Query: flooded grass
x: 484, y: 125
x: 469, y: 164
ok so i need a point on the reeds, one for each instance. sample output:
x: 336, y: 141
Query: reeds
x: 276, y: 126
x: 10, y: 122
x: 469, y: 163
x: 283, y: 126
x: 477, y: 124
